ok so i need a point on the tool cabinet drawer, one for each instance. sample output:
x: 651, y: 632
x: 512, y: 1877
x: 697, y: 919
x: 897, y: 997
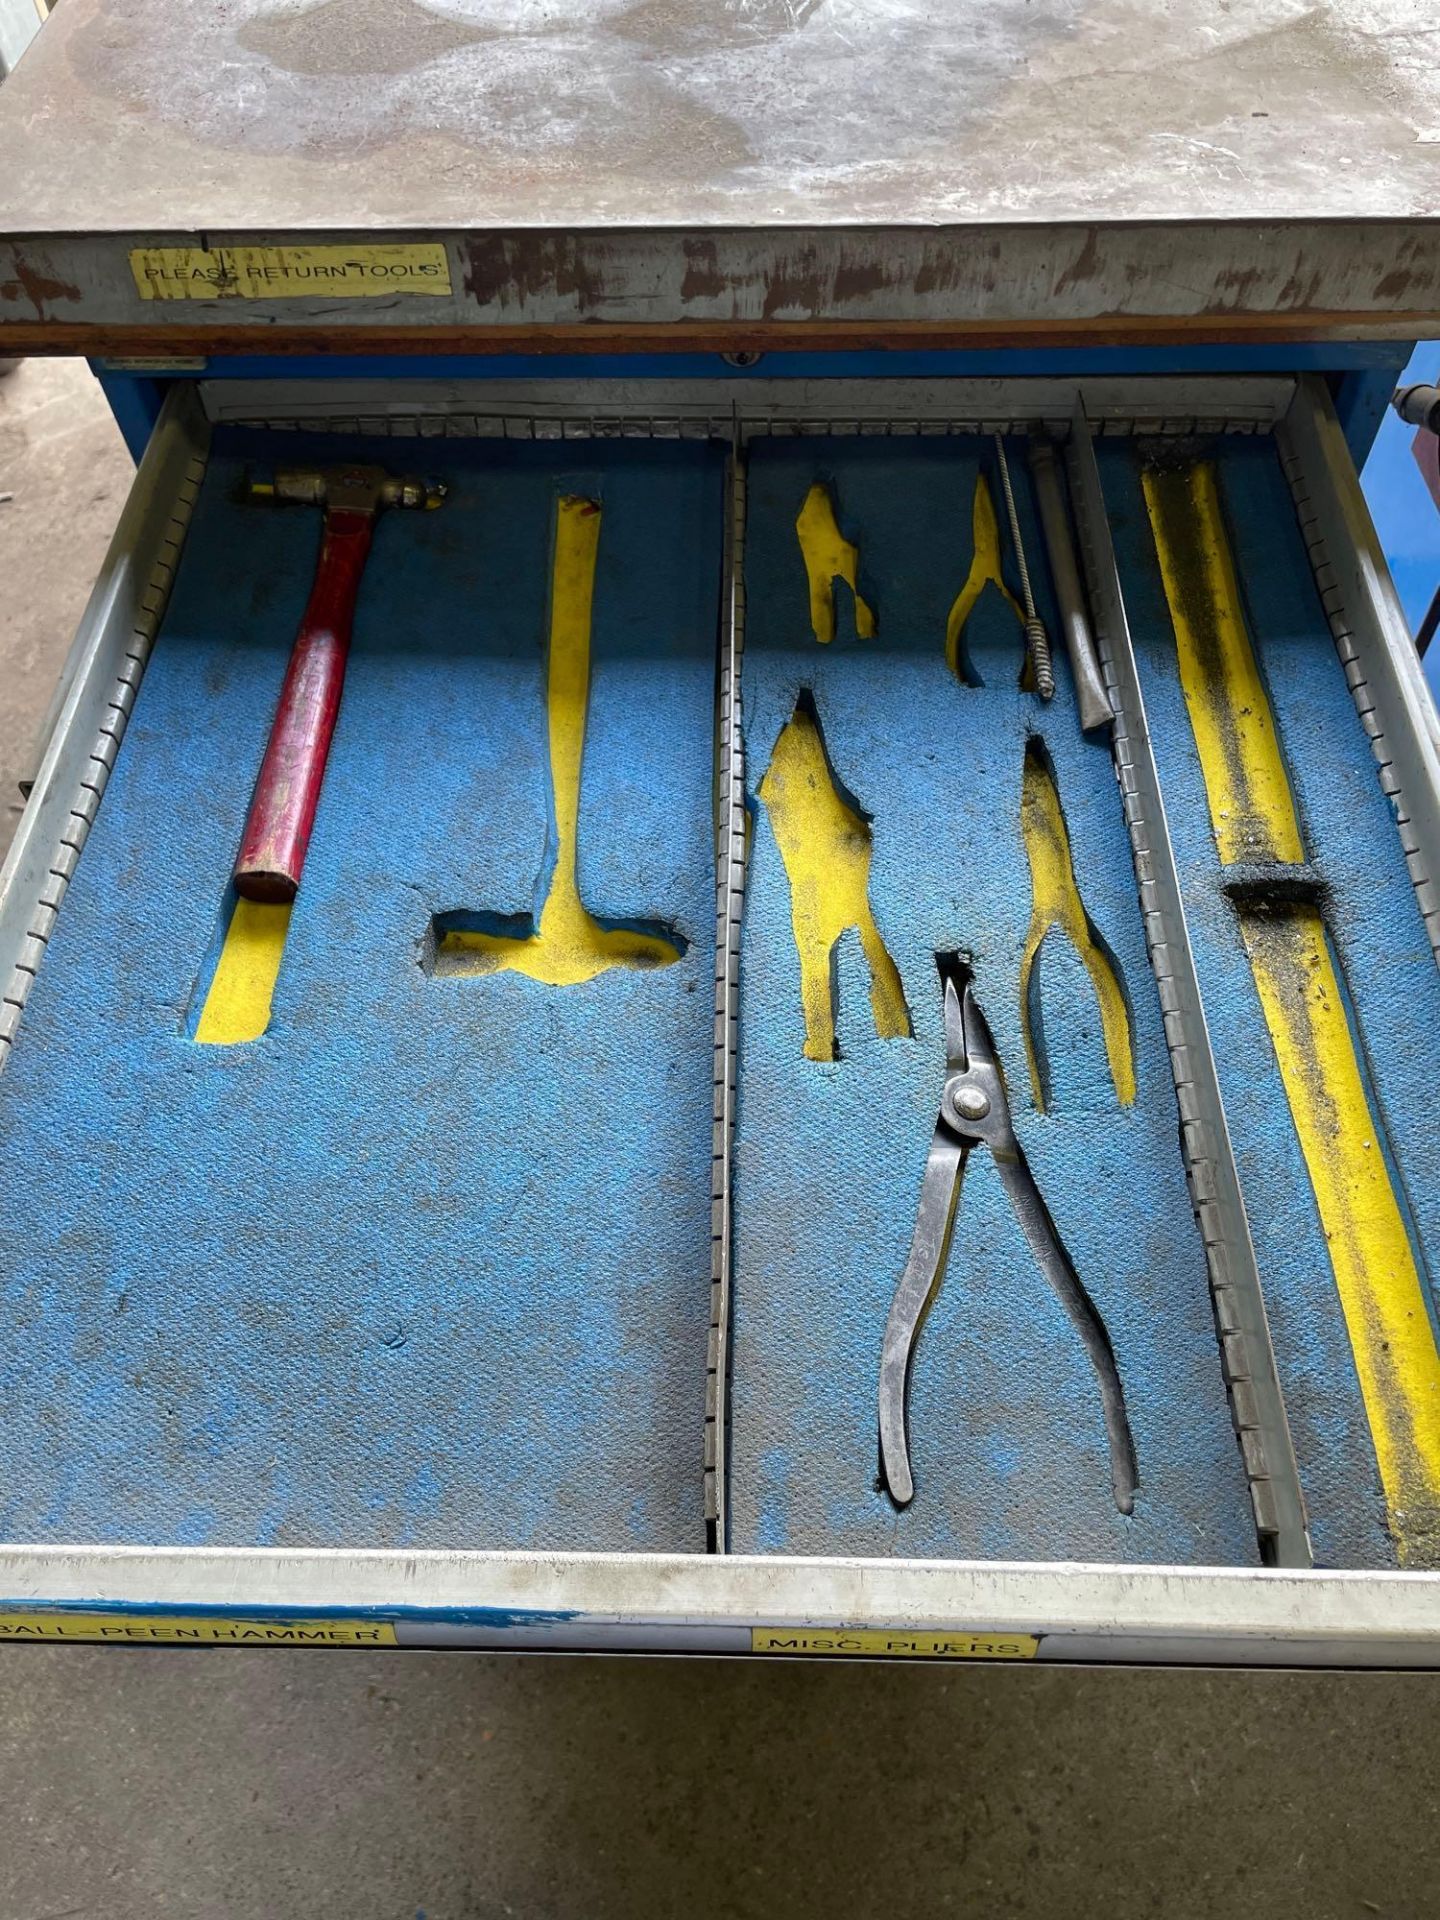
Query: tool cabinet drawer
x: 801, y: 1026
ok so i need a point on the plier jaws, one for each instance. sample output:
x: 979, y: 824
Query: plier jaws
x: 973, y: 1102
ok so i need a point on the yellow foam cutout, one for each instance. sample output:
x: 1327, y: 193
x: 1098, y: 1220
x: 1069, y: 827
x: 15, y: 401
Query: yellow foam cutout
x: 1371, y: 1253
x: 829, y: 557
x: 1252, y: 810
x: 1370, y: 1249
x: 986, y: 570
x: 237, y: 1005
x: 1057, y: 903
x: 569, y: 945
x: 826, y: 847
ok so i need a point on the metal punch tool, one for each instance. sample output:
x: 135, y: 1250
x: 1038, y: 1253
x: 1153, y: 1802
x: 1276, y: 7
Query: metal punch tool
x: 975, y: 1112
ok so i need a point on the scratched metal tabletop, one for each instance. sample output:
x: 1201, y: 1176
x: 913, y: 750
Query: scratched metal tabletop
x: 580, y: 113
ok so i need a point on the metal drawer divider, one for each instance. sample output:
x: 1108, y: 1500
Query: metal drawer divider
x: 99, y: 683
x: 729, y: 903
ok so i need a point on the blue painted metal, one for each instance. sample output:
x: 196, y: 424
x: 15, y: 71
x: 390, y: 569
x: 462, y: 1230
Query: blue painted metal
x: 1361, y: 401
x: 491, y: 1619
x: 135, y: 400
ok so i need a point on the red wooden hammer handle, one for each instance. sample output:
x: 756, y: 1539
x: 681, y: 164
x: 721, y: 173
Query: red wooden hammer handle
x: 287, y: 789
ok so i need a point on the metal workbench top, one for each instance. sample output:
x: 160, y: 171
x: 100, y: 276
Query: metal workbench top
x: 1080, y: 168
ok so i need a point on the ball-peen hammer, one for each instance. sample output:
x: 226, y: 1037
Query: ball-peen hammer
x: 287, y: 788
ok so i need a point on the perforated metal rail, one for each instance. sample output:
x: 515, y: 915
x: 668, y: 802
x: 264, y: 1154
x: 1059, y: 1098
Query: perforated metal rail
x: 1359, y: 604
x: 106, y: 665
x: 701, y: 409
x: 718, y: 425
x: 729, y: 902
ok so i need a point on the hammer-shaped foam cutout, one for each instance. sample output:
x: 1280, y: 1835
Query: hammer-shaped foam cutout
x: 565, y: 944
x: 826, y: 845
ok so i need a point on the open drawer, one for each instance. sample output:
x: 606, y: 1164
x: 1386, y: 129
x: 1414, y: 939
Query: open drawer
x: 501, y: 1246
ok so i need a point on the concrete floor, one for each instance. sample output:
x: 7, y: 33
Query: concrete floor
x: 65, y: 472
x: 148, y: 1785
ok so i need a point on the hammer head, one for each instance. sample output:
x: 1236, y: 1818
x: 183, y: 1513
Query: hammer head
x: 353, y: 489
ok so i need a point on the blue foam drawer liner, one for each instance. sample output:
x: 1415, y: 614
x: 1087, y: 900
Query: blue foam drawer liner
x: 429, y: 1263
x: 1007, y: 1442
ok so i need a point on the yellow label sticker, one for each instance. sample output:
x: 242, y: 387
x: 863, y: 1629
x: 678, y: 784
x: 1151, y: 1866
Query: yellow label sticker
x: 183, y: 1629
x: 894, y: 1643
x: 287, y: 273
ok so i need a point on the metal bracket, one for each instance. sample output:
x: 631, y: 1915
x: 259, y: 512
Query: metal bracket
x: 664, y: 408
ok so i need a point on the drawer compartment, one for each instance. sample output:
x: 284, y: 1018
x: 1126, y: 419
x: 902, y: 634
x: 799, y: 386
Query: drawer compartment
x: 501, y: 1286
x: 424, y: 1263
x: 957, y: 767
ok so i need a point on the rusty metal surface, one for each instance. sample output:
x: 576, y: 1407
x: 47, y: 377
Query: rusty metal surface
x: 642, y: 162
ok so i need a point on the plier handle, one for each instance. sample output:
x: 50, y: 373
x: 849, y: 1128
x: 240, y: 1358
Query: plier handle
x: 975, y: 1112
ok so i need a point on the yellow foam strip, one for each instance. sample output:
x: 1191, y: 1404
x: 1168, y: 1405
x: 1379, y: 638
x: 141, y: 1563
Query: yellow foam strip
x: 986, y: 570
x: 569, y: 945
x: 237, y: 1006
x: 1251, y: 807
x: 829, y: 557
x: 1057, y: 903
x: 826, y: 847
x: 1369, y: 1244
x: 1371, y: 1254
